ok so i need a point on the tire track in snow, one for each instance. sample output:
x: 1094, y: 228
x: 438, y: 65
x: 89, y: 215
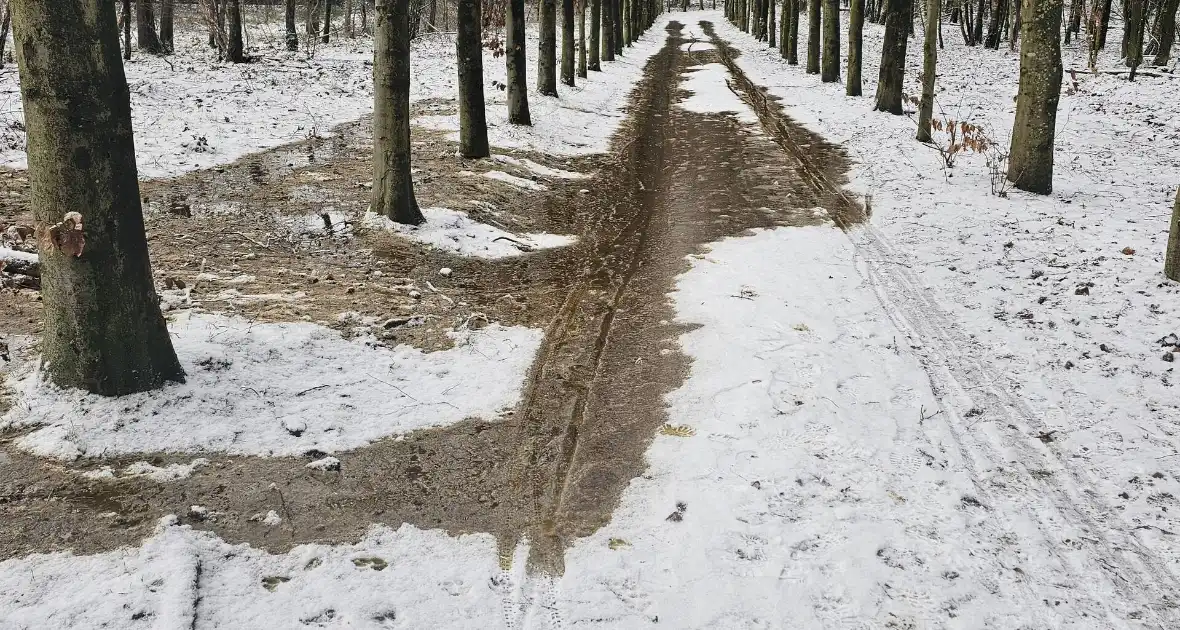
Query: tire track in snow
x: 1040, y: 484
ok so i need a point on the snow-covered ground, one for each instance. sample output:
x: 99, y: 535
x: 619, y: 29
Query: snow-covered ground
x: 455, y: 231
x: 192, y: 112
x: 957, y: 416
x: 280, y: 389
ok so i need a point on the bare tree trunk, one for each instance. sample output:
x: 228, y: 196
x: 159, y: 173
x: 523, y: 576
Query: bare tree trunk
x: 126, y: 28
x: 431, y: 26
x: 1172, y: 256
x: 793, y: 33
x: 784, y: 26
x: 6, y: 22
x: 617, y: 22
x: 608, y: 30
x: 292, y: 34
x: 145, y: 22
x: 103, y: 330
x: 831, y: 58
x: 856, y: 23
x: 393, y: 186
x: 995, y: 27
x: 898, y: 19
x: 313, y: 19
x: 1134, y: 41
x: 1014, y: 34
x: 348, y: 30
x: 594, y: 62
x: 813, y: 36
x: 547, y: 51
x: 517, y: 64
x: 567, y: 42
x: 582, y: 39
x: 166, y: 26
x: 770, y: 34
x: 977, y: 34
x: 1030, y: 161
x: 1167, y: 23
x: 235, y: 50
x: 929, y: 70
x: 327, y: 32
x: 365, y: 17
x: 625, y: 7
x: 473, y: 126
x: 1077, y: 8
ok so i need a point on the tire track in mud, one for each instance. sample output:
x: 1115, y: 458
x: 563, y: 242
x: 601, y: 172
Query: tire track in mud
x: 1091, y: 543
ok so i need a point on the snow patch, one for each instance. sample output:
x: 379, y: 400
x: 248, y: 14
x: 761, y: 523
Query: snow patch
x: 455, y: 231
x: 249, y: 383
x: 537, y: 168
x: 513, y: 180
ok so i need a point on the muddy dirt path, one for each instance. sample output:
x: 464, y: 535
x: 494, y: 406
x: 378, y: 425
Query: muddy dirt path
x: 554, y: 469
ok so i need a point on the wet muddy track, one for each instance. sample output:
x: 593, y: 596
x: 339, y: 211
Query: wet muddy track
x: 554, y: 469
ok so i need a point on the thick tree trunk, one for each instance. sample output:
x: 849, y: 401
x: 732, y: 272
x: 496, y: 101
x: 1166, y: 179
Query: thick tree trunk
x: 234, y: 49
x: 813, y: 36
x: 784, y: 25
x: 567, y: 42
x: 516, y: 62
x: 547, y: 55
x: 326, y: 34
x: 1172, y: 256
x: 393, y: 186
x: 831, y: 59
x: 1030, y: 160
x: 856, y: 23
x: 929, y: 69
x: 582, y: 61
x: 292, y: 34
x: 1167, y: 22
x: 473, y: 127
x: 594, y: 62
x: 103, y: 331
x: 145, y: 23
x: 898, y: 19
x: 167, y: 31
x: 617, y: 19
x: 977, y: 33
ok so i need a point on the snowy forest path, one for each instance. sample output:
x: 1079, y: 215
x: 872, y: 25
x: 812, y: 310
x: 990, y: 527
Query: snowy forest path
x: 998, y: 438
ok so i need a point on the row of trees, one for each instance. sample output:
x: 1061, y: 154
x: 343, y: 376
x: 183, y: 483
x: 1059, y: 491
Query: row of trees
x: 1036, y: 24
x: 103, y: 331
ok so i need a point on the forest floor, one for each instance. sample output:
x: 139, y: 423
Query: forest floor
x: 680, y: 379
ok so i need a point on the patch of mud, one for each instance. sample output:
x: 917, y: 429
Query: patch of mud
x: 554, y: 469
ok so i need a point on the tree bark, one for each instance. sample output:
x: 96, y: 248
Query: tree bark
x: 1030, y: 160
x: 1076, y: 9
x: 593, y: 62
x: 784, y: 25
x: 6, y: 22
x: 1134, y: 41
x: 103, y: 331
x: 608, y: 31
x: 326, y: 34
x: 898, y: 19
x: 126, y: 28
x: 977, y: 33
x: 1167, y: 23
x: 617, y: 21
x: 995, y: 27
x: 582, y: 39
x: 567, y: 42
x: 1172, y: 256
x: 516, y: 61
x: 547, y: 55
x: 770, y: 34
x: 831, y: 59
x: 348, y: 30
x: 145, y: 22
x: 813, y: 36
x: 313, y: 20
x: 431, y: 25
x: 167, y: 32
x: 473, y: 127
x: 234, y: 49
x: 929, y: 70
x: 793, y: 33
x: 393, y: 186
x: 1014, y: 34
x: 856, y: 23
x: 292, y: 32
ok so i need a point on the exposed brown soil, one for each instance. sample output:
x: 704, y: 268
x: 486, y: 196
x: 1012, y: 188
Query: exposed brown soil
x: 555, y: 468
